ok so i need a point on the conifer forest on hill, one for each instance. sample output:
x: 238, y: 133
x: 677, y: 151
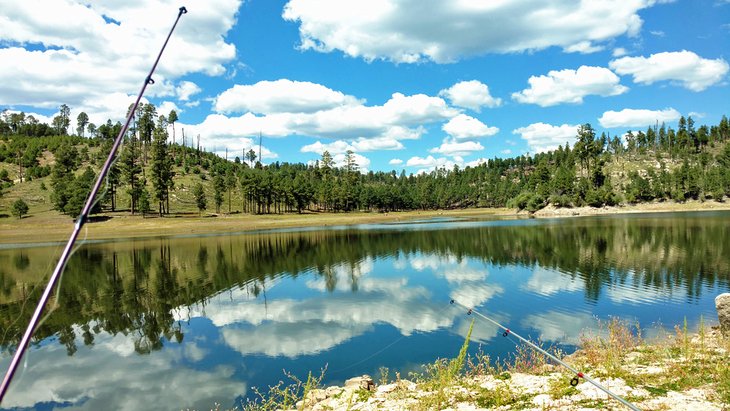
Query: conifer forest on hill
x: 160, y: 171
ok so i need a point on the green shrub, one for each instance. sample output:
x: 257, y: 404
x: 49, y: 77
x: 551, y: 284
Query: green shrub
x: 20, y: 208
x: 535, y: 203
x: 560, y: 200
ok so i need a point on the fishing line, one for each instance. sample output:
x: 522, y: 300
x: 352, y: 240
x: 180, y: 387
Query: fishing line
x: 578, y: 375
x: 439, y: 313
x: 375, y: 354
x: 80, y: 221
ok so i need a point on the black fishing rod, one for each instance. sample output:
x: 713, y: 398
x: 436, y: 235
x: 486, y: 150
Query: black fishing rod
x: 80, y: 221
x: 532, y: 345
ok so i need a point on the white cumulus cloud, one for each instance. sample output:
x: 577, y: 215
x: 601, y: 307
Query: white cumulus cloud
x: 637, y: 117
x: 187, y: 89
x: 395, y: 162
x: 410, y: 31
x: 164, y: 108
x: 541, y: 137
x: 684, y: 67
x: 429, y: 161
x: 471, y: 94
x: 280, y: 96
x: 463, y: 126
x: 360, y: 127
x: 455, y: 148
x: 361, y: 144
x: 619, y: 52
x: 583, y: 47
x: 570, y: 86
x: 88, y: 50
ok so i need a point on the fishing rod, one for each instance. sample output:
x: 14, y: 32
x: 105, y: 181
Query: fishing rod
x: 577, y: 373
x: 80, y: 221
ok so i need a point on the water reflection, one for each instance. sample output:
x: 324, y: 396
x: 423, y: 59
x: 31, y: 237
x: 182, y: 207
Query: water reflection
x: 208, y: 317
x: 113, y: 376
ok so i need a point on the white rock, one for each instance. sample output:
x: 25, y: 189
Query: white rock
x: 364, y: 382
x: 332, y: 391
x: 387, y: 388
x: 722, y: 304
x: 542, y: 400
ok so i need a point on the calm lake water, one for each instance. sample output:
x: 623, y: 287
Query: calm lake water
x: 180, y: 323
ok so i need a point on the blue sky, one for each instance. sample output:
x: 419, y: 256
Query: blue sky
x: 405, y: 84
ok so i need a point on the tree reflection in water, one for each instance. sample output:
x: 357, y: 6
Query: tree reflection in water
x: 135, y: 287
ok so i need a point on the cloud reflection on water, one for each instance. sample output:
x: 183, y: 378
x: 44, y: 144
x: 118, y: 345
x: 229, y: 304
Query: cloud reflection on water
x: 294, y: 327
x: 111, y: 376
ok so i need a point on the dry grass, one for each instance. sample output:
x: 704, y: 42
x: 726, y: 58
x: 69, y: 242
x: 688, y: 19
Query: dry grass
x: 608, y: 352
x: 51, y: 226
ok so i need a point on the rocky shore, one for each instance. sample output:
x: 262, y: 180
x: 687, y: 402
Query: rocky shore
x: 652, y: 207
x: 680, y: 372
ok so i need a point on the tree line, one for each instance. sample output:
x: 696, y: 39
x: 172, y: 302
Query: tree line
x: 659, y: 163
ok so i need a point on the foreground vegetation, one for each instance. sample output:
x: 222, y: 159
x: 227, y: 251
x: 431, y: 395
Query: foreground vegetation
x: 675, y: 371
x: 49, y: 169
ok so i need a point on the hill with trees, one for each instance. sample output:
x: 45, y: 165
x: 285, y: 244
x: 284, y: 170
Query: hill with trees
x: 48, y: 168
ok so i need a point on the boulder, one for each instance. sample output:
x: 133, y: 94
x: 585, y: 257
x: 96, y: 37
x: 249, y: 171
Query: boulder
x: 365, y: 382
x: 722, y: 304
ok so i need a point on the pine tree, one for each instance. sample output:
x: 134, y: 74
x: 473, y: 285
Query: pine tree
x: 81, y: 121
x: 20, y: 208
x: 79, y: 190
x: 219, y: 186
x: 161, y: 173
x: 129, y: 163
x: 199, y: 194
x: 251, y: 157
x: 172, y: 119
x: 230, y: 184
x: 146, y: 126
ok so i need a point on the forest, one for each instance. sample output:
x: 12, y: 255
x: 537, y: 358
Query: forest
x: 160, y: 172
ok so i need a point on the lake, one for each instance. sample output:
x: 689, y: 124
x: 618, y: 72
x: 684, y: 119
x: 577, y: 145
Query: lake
x: 187, y: 322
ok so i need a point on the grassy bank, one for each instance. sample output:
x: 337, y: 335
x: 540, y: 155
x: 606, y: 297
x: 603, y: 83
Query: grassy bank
x: 678, y: 370
x: 48, y: 225
x: 51, y: 226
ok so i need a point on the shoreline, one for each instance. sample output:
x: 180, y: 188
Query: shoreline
x: 679, y: 371
x: 49, y: 226
x: 640, y: 208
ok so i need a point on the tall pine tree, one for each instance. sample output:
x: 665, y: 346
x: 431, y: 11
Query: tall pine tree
x: 161, y: 172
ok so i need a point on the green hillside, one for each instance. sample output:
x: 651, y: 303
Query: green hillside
x: 52, y: 172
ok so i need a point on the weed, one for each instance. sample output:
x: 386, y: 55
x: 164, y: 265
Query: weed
x: 384, y: 375
x: 656, y: 390
x: 284, y: 396
x: 608, y: 352
x: 358, y: 396
x: 504, y: 376
x: 678, y: 361
x: 528, y: 360
x: 440, y: 375
x: 499, y: 396
x: 559, y: 387
x: 455, y: 366
x: 722, y: 371
x: 479, y: 364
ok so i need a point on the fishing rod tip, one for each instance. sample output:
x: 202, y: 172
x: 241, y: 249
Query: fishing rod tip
x: 183, y: 10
